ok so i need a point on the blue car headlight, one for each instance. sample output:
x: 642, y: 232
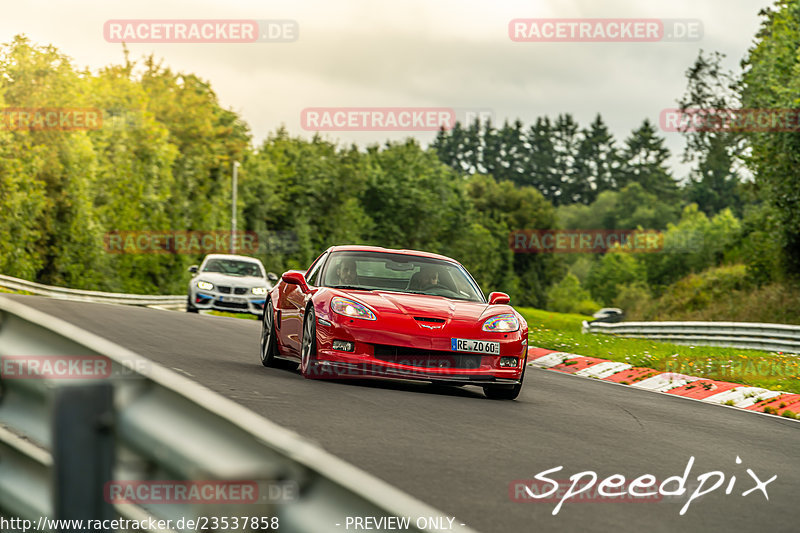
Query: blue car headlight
x: 502, y: 323
x: 205, y: 285
x: 351, y: 308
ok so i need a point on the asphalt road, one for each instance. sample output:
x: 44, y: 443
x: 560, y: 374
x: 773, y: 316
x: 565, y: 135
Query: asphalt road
x: 460, y: 452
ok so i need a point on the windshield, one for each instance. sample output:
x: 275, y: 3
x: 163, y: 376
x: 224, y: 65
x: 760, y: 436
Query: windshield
x: 233, y: 267
x: 400, y: 273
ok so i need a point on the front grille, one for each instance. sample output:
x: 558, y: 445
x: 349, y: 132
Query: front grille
x: 425, y: 358
x: 232, y: 305
x: 224, y: 289
x: 429, y: 319
x: 240, y: 290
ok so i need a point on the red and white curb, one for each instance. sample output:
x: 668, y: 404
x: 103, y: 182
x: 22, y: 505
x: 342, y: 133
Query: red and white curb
x: 704, y: 389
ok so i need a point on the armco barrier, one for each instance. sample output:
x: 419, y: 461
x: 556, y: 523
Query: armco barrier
x: 91, y: 296
x: 747, y: 335
x: 63, y: 440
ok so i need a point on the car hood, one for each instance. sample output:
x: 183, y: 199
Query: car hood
x: 426, y: 306
x: 218, y: 278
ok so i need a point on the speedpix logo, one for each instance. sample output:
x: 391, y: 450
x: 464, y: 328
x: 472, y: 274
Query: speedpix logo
x: 617, y: 488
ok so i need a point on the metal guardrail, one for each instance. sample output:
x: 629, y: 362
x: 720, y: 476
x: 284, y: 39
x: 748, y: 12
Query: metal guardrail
x: 63, y: 440
x: 746, y: 335
x: 63, y: 293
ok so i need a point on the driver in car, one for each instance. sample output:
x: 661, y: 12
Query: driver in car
x: 346, y: 272
x: 426, y: 278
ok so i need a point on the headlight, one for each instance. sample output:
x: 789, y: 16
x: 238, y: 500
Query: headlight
x: 505, y: 322
x: 259, y: 291
x: 206, y: 286
x: 353, y: 309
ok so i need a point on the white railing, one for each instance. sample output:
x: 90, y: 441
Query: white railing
x: 747, y: 335
x: 92, y: 296
x: 62, y: 441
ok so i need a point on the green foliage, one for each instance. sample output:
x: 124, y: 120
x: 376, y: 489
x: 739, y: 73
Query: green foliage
x: 633, y: 298
x: 567, y: 296
x: 714, y: 182
x: 772, y: 81
x: 761, y: 247
x: 692, y: 245
x: 629, y: 208
x: 697, y: 291
x: 644, y: 159
x: 615, y: 269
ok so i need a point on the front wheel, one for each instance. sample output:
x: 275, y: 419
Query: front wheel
x: 269, y: 344
x: 189, y: 307
x: 505, y: 392
x: 308, y: 346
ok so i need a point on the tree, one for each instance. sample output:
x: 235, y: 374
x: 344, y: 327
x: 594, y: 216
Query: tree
x: 644, y: 159
x: 772, y: 81
x: 714, y: 181
x: 597, y: 162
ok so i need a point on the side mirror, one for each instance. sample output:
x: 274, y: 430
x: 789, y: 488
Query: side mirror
x: 296, y: 278
x: 193, y: 269
x: 499, y: 298
x: 272, y: 276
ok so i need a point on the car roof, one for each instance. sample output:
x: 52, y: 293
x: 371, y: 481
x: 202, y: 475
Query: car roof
x: 363, y: 248
x: 232, y: 256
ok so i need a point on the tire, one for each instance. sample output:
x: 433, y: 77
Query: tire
x: 269, y: 344
x: 308, y: 346
x: 505, y: 392
x: 189, y: 307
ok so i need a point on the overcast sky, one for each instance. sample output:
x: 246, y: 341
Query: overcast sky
x: 415, y: 53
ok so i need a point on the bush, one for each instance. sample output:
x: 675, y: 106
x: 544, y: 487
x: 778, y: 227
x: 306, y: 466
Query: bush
x: 567, y: 296
x: 634, y: 298
x: 615, y: 269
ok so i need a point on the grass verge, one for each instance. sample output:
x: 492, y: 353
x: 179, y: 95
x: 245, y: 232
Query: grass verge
x: 12, y: 291
x: 246, y: 316
x: 562, y: 332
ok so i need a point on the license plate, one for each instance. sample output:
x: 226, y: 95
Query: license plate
x: 475, y: 346
x: 232, y: 300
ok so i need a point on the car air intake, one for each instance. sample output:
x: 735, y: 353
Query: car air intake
x: 224, y: 289
x: 240, y: 290
x: 429, y: 319
x: 425, y: 358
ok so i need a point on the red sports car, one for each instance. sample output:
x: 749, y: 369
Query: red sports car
x: 362, y: 311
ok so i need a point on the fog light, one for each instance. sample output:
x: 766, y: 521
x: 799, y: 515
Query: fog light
x: 509, y: 362
x: 344, y: 346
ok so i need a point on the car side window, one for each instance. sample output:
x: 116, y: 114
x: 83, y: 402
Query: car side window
x: 312, y: 278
